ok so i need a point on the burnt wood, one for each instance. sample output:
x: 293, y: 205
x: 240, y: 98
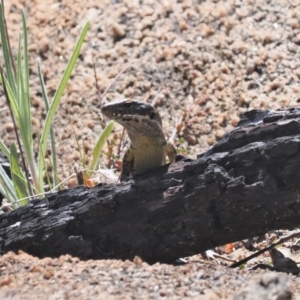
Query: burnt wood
x: 248, y: 183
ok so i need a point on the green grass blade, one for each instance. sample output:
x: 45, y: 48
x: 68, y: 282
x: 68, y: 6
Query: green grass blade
x: 25, y: 62
x: 6, y: 52
x: 17, y: 176
x: 12, y: 99
x: 19, y: 100
x: 52, y: 137
x: 23, y: 74
x: 24, y: 130
x: 56, y: 100
x: 7, y: 187
x: 4, y: 149
x: 24, y: 122
x: 19, y: 73
x: 99, y: 145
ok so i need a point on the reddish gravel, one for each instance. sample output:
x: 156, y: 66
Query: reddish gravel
x: 207, y: 62
x: 26, y: 277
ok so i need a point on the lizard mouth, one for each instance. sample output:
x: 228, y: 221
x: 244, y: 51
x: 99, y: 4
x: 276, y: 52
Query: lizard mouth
x: 117, y: 115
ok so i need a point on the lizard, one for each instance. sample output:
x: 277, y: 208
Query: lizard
x: 148, y: 146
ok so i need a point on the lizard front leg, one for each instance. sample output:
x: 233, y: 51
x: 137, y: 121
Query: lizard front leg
x: 127, y: 164
x: 170, y: 151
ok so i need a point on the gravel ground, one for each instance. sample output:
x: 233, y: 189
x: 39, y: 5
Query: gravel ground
x: 26, y: 277
x: 205, y: 63
x: 202, y: 64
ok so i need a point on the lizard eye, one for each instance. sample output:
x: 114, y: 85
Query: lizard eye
x: 152, y: 115
x: 127, y: 105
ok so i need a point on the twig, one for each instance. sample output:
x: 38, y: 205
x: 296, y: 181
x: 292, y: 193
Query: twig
x: 3, y: 109
x: 96, y: 81
x: 280, y: 241
x: 121, y: 141
x: 115, y: 79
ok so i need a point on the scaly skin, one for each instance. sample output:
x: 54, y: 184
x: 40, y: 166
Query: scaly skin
x: 148, y: 146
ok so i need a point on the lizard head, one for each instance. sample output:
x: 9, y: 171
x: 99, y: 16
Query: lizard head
x: 133, y: 115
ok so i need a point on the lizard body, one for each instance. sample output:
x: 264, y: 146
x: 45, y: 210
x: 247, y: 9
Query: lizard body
x: 148, y: 146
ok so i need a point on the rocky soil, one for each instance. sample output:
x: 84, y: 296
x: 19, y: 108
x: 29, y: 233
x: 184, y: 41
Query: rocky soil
x: 202, y: 63
x: 26, y: 277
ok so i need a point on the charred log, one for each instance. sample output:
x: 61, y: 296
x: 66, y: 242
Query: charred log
x: 245, y: 185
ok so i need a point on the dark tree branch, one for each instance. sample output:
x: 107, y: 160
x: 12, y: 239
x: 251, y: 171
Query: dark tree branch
x: 245, y: 185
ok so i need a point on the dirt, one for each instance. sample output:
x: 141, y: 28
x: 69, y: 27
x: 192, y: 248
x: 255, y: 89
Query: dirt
x: 201, y: 63
x: 27, y: 277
